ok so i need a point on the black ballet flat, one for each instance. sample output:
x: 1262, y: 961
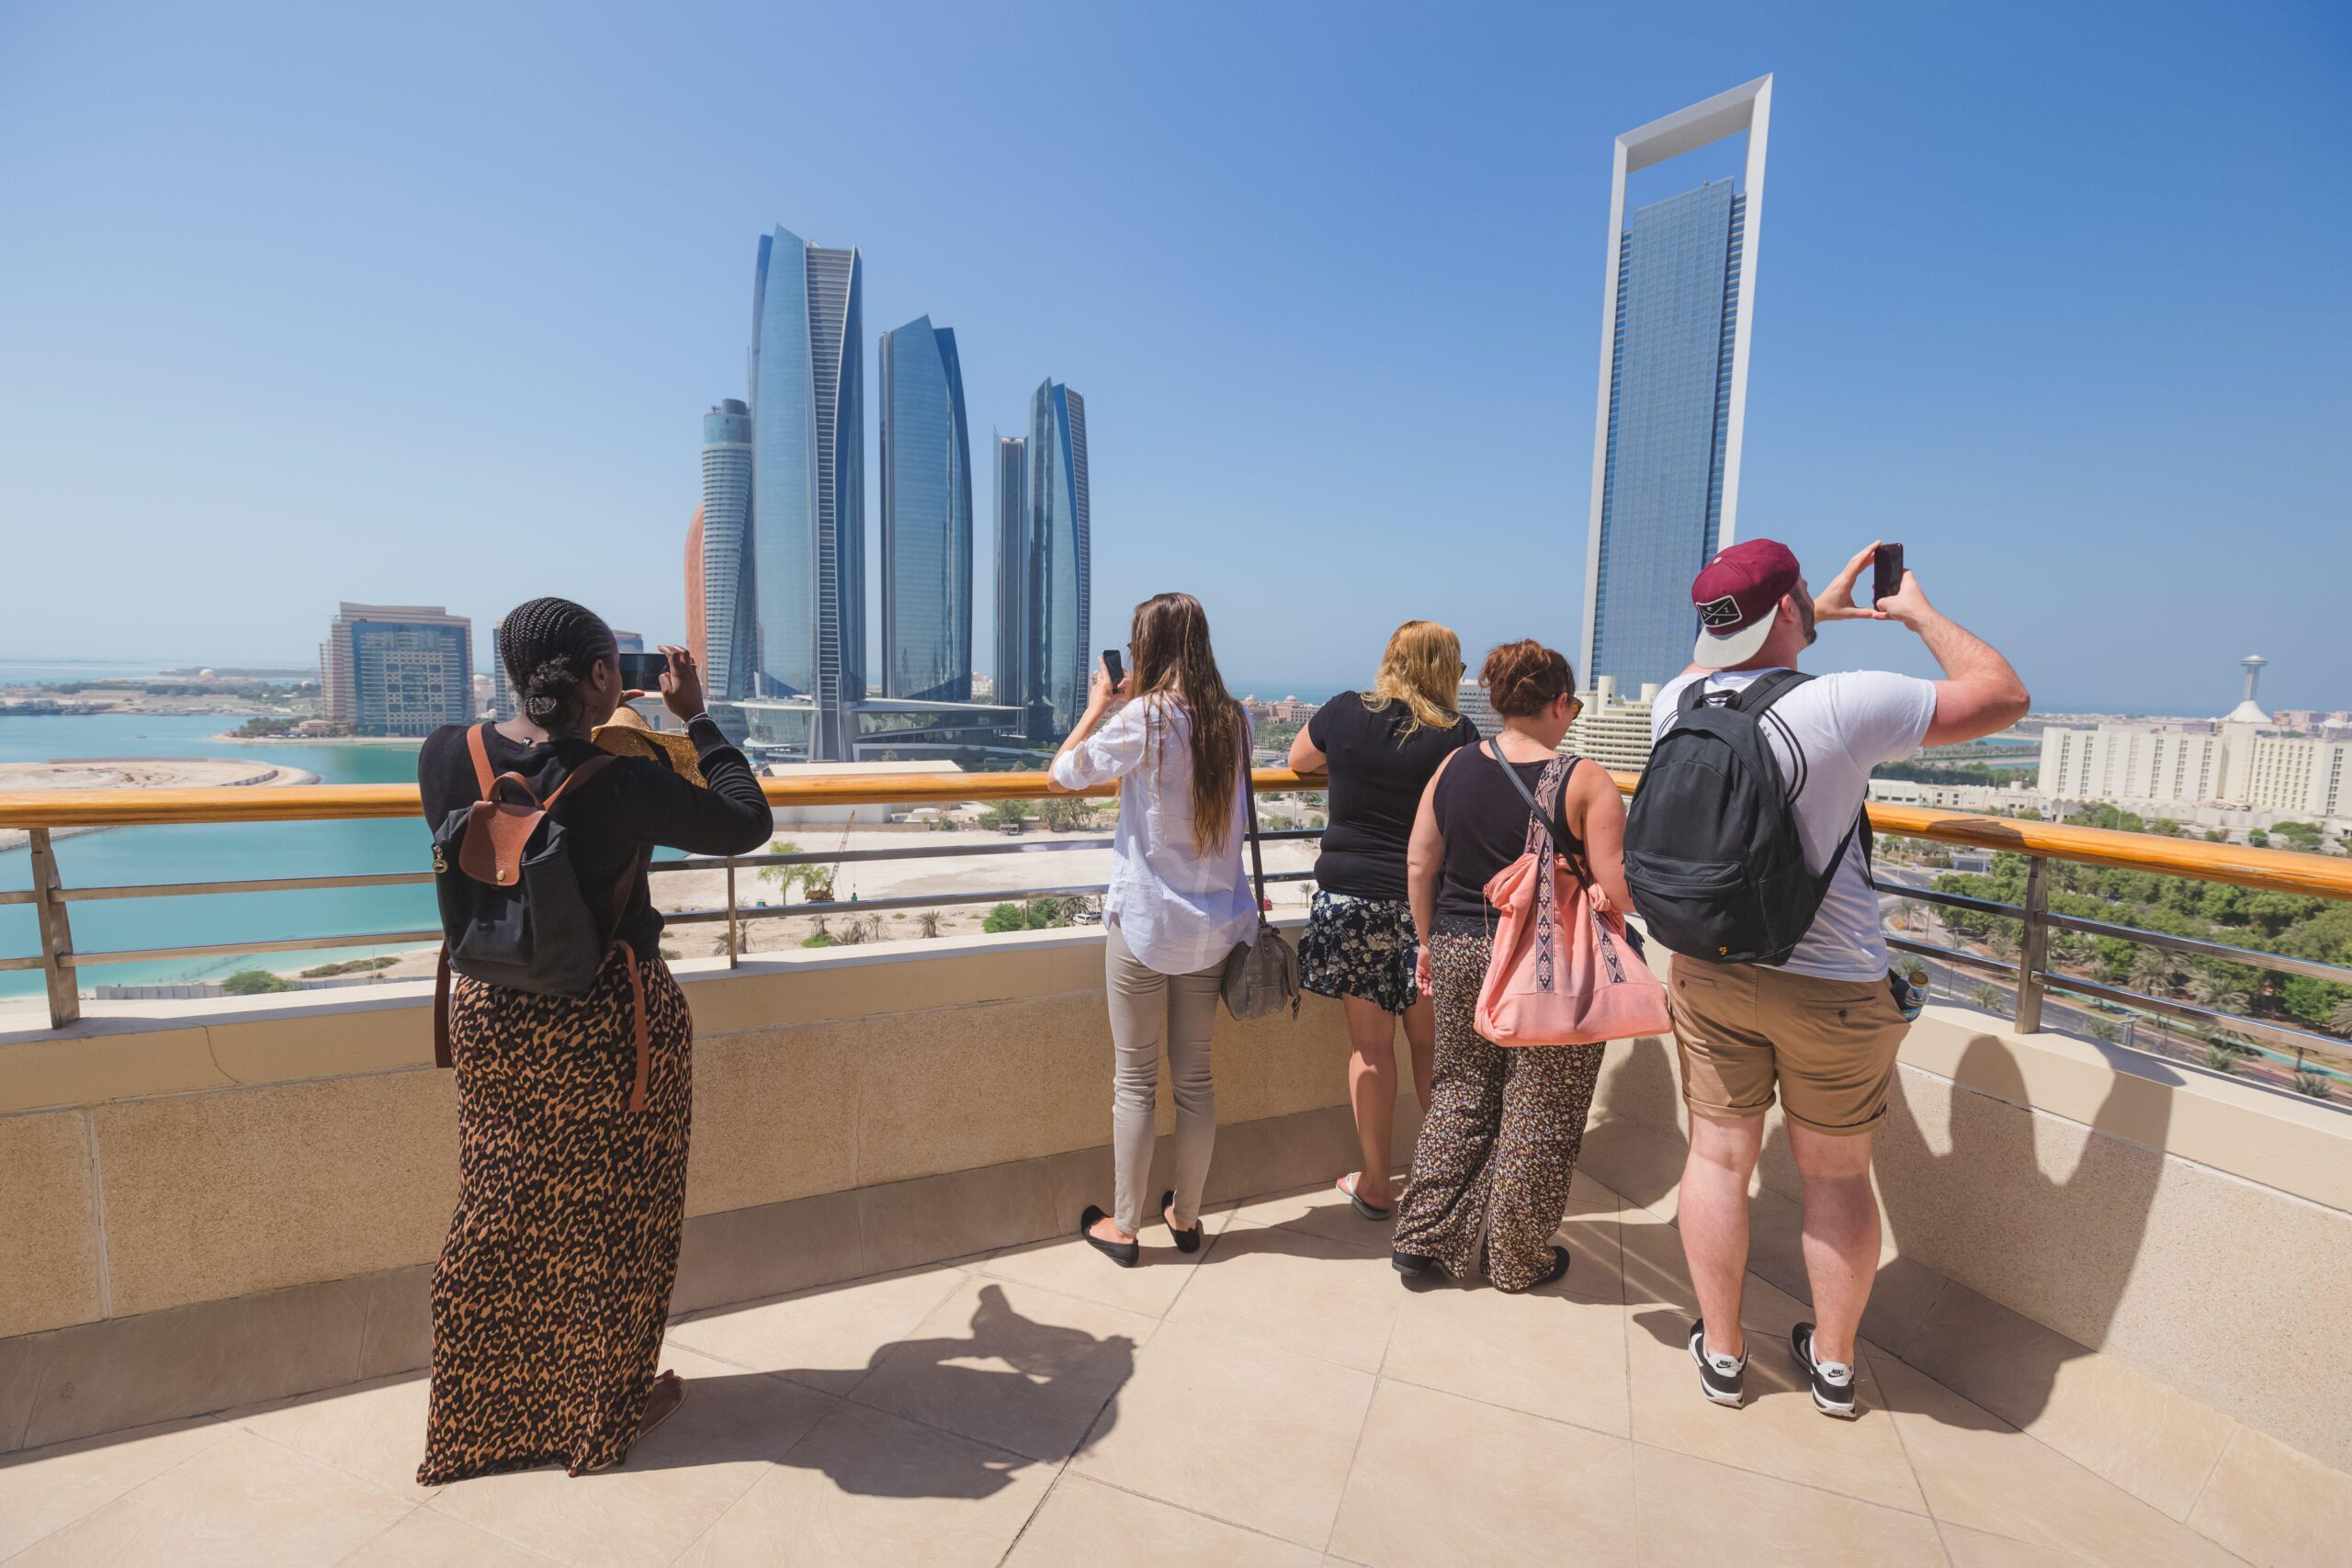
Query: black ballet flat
x: 1186, y: 1241
x: 1411, y: 1264
x: 1559, y: 1266
x: 1125, y: 1253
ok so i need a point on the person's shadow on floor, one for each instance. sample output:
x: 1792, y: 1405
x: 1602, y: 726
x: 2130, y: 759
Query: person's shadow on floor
x: 765, y: 1416
x: 2066, y: 1243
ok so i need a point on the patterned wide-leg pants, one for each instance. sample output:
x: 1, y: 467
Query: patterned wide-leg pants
x: 1499, y: 1142
x: 553, y: 1287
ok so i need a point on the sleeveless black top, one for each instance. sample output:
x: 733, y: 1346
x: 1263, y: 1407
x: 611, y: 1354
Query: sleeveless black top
x: 1485, y: 824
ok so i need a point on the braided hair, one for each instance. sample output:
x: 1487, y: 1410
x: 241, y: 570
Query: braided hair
x: 549, y: 645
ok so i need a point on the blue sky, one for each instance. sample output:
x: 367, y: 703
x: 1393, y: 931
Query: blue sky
x: 301, y: 303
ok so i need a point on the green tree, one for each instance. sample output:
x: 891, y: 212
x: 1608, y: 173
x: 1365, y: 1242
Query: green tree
x: 2257, y: 838
x: 1988, y: 996
x: 2152, y: 972
x: 1005, y: 917
x: 2340, y: 1019
x: 2318, y: 1085
x: 2168, y: 827
x: 2210, y: 989
x: 2217, y: 835
x: 254, y: 983
x: 927, y: 923
x: 2219, y: 1057
x: 1005, y: 815
x: 1066, y: 813
x: 2102, y: 1027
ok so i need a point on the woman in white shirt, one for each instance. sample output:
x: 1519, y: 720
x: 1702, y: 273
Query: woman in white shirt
x: 1179, y: 901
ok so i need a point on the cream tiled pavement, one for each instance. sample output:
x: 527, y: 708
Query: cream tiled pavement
x: 1282, y: 1400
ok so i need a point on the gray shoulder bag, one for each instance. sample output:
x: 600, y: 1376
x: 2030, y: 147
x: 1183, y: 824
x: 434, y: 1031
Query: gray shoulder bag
x: 1259, y: 976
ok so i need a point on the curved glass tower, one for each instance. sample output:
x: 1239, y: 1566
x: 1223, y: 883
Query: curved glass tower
x: 1012, y: 671
x: 926, y: 518
x: 724, y: 520
x: 808, y: 484
x: 1061, y: 575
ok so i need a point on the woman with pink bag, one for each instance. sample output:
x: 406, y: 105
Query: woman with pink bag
x: 1500, y: 1141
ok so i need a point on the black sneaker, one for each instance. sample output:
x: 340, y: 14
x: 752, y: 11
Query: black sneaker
x: 1833, y: 1381
x: 1721, y: 1379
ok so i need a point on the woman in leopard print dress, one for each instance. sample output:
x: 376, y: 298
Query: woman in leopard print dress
x: 552, y: 1288
x: 1499, y: 1145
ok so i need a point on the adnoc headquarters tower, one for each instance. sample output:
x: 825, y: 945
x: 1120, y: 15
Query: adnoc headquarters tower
x: 1677, y: 304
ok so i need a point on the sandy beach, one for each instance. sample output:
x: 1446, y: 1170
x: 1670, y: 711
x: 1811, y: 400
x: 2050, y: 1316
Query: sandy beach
x: 133, y: 772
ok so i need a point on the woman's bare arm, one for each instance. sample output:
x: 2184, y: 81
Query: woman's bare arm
x: 1597, y: 816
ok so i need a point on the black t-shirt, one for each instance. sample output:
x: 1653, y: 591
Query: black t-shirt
x: 635, y: 803
x: 1377, y: 776
x: 1485, y: 824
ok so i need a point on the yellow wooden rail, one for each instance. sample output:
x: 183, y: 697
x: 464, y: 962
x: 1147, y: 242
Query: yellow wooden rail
x: 2284, y: 871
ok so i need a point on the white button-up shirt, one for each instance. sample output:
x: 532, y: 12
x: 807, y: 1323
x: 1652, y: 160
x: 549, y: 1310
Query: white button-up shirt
x: 1177, y: 909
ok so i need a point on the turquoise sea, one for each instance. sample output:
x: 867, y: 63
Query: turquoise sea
x: 214, y: 852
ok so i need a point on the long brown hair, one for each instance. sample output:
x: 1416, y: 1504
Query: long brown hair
x: 1173, y: 658
x: 1421, y: 667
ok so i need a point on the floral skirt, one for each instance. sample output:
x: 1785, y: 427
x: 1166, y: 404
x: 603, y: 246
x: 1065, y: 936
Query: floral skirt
x: 1360, y: 947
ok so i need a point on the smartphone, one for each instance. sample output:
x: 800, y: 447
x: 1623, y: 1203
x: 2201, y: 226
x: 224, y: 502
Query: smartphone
x: 1112, y: 662
x: 1886, y: 572
x: 643, y: 672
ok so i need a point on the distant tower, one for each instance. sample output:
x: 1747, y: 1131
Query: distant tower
x: 1062, y: 553
x: 808, y: 483
x: 697, y: 634
x: 727, y: 625
x: 926, y: 518
x: 1677, y: 308
x: 1012, y: 671
x: 2252, y: 664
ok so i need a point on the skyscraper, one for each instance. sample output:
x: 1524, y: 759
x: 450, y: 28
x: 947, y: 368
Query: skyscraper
x: 728, y: 629
x: 1677, y: 304
x: 697, y: 634
x: 926, y: 518
x: 808, y: 525
x: 1012, y: 671
x: 398, y: 669
x: 1061, y: 576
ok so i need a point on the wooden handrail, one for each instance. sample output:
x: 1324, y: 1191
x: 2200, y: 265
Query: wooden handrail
x: 2282, y: 871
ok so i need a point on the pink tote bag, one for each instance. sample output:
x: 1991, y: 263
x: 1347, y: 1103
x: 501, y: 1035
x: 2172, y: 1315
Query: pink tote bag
x: 1563, y: 972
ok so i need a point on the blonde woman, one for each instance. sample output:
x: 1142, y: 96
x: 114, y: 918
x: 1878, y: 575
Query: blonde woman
x: 1381, y: 746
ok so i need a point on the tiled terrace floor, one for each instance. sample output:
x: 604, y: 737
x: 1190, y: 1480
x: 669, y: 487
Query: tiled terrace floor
x: 1282, y: 1401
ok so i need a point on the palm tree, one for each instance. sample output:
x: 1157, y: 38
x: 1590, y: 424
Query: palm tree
x: 1988, y: 996
x: 2340, y: 1019
x: 2152, y: 972
x: 2219, y: 1057
x: 927, y: 923
x: 2102, y: 1027
x: 2001, y: 942
x: 2319, y: 1086
x: 2209, y: 988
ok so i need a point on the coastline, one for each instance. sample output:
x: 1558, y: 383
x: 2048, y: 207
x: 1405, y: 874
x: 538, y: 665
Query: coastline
x: 229, y: 739
x: 170, y: 773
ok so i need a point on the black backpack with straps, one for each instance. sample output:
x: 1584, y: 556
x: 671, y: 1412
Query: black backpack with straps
x: 1712, y: 851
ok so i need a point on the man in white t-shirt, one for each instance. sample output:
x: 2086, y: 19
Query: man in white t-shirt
x: 1823, y: 1027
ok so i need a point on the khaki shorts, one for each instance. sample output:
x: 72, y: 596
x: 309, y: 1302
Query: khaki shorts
x: 1829, y: 1044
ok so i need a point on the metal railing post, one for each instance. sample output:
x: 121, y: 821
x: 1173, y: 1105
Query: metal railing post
x: 56, y: 932
x: 2033, y: 950
x: 734, y: 942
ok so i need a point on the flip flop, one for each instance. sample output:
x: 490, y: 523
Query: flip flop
x: 1347, y: 1186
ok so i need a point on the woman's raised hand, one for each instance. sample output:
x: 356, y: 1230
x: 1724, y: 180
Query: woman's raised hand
x: 682, y: 684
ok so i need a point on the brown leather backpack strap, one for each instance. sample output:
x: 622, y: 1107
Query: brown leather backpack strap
x: 478, y: 743
x: 639, y: 1027
x: 441, y: 1056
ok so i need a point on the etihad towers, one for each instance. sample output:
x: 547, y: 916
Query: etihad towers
x: 926, y: 518
x: 723, y: 521
x: 807, y: 532
x: 1677, y: 304
x: 1060, y: 564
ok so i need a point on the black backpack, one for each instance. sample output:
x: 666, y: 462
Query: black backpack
x: 511, y: 911
x: 1711, y: 852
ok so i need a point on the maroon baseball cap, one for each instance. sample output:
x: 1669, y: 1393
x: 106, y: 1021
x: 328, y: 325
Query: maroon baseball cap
x: 1737, y: 594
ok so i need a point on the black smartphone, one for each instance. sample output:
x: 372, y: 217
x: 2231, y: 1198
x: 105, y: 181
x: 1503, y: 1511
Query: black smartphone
x: 643, y: 672
x: 1886, y: 572
x: 1110, y: 662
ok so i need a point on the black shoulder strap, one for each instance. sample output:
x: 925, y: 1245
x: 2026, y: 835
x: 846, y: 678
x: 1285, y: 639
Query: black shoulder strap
x: 1257, y: 861
x: 1551, y: 830
x: 1766, y: 690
